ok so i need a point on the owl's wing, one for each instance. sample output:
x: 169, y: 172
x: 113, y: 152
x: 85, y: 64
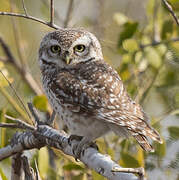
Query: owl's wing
x: 98, y: 90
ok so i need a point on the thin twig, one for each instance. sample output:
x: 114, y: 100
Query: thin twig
x: 155, y: 28
x: 52, y: 12
x: 30, y: 18
x: 34, y: 114
x: 170, y: 9
x: 56, y: 15
x: 69, y: 13
x: 156, y: 43
x: 20, y: 122
x: 7, y: 51
x: 29, y: 173
x: 50, y: 122
x: 10, y: 125
x: 25, y: 10
x: 139, y: 171
x: 16, y: 94
x: 16, y: 37
x: 2, y: 59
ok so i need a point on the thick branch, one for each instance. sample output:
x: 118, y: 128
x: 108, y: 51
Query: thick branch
x: 46, y: 135
x: 16, y: 170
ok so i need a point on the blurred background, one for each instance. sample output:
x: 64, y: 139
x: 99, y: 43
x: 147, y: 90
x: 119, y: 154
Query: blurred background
x: 140, y: 39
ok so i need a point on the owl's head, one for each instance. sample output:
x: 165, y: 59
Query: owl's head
x: 68, y: 47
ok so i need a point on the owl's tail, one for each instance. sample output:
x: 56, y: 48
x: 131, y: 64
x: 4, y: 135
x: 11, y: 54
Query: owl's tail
x: 144, y: 142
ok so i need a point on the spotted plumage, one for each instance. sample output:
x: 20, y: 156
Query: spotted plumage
x: 86, y: 92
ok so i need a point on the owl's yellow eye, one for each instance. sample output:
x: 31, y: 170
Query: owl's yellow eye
x: 55, y: 49
x: 79, y: 48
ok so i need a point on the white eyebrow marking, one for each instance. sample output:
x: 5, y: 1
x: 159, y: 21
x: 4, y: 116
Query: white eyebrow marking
x: 82, y: 40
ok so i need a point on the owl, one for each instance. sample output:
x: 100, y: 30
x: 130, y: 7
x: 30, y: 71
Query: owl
x: 86, y: 92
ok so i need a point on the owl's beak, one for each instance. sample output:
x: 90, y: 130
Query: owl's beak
x: 67, y: 59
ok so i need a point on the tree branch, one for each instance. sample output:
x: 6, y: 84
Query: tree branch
x: 30, y: 18
x: 156, y: 43
x: 21, y: 169
x: 170, y: 9
x: 45, y: 135
x: 45, y: 2
x: 16, y: 170
x: 25, y: 10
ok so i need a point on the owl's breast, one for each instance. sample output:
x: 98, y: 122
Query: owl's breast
x: 78, y: 121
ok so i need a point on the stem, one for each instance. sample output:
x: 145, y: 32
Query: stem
x: 52, y: 12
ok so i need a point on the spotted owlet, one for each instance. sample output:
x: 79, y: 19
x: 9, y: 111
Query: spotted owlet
x: 86, y: 92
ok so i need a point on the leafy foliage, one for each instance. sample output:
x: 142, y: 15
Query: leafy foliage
x: 40, y: 102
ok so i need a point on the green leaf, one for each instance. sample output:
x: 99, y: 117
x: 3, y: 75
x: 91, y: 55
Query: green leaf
x: 72, y: 166
x: 160, y: 149
x: 128, y: 160
x: 126, y: 58
x: 40, y: 102
x: 43, y: 162
x: 174, y: 132
x: 170, y: 78
x: 125, y: 75
x: 129, y: 30
x: 177, y: 100
x: 167, y: 29
x: 97, y: 176
x: 78, y: 177
x: 140, y: 156
x: 130, y: 45
x: 153, y: 57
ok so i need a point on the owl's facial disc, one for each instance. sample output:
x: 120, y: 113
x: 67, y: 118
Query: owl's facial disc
x: 69, y: 47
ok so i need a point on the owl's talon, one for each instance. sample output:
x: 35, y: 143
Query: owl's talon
x: 94, y: 145
x: 90, y: 144
x: 76, y: 152
x: 79, y: 149
x: 74, y: 137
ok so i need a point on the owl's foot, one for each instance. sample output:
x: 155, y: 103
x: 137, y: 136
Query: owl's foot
x: 74, y: 137
x: 79, y: 148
